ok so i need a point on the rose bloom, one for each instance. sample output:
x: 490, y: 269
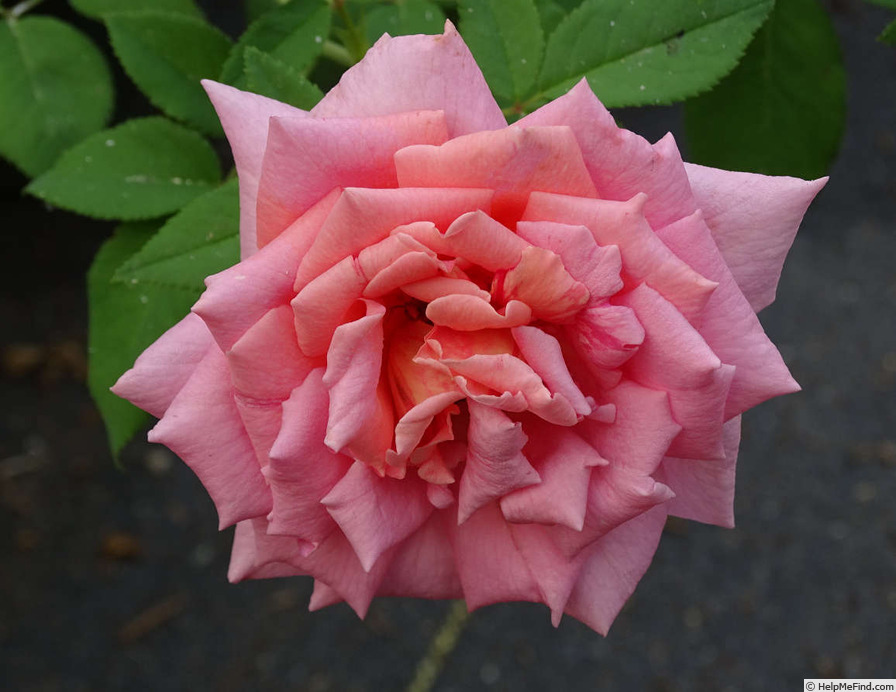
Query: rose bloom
x: 465, y: 360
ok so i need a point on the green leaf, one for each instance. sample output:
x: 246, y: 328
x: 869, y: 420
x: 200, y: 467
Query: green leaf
x: 98, y: 8
x: 124, y: 320
x: 166, y: 54
x: 551, y: 14
x: 403, y: 19
x: 506, y: 39
x: 256, y: 8
x: 137, y: 170
x: 635, y: 52
x: 889, y: 34
x: 269, y: 77
x: 294, y: 34
x: 202, y: 239
x: 55, y: 90
x: 782, y: 110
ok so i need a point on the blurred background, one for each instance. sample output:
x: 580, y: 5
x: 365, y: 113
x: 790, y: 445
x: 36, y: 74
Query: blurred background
x: 115, y: 577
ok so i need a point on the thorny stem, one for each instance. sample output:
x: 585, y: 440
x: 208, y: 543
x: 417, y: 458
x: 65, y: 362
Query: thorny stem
x: 440, y: 648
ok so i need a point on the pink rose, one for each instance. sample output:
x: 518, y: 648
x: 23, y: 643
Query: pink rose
x: 465, y: 360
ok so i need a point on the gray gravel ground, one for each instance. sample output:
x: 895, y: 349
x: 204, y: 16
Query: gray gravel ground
x: 116, y: 580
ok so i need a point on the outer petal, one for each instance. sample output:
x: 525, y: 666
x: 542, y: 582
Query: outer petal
x: 411, y: 73
x: 753, y: 219
x: 704, y: 490
x: 306, y: 158
x: 675, y: 358
x: 203, y: 427
x: 256, y: 555
x: 424, y: 564
x: 376, y: 513
x: 266, y: 362
x: 729, y: 324
x: 163, y: 369
x: 239, y: 296
x: 621, y: 163
x: 244, y: 117
x: 613, y: 568
x: 491, y: 567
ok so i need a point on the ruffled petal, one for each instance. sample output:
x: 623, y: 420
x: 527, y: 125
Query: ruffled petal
x: 360, y: 420
x: 753, y: 219
x: 245, y: 118
x: 411, y: 73
x: 596, y: 267
x: 543, y: 354
x: 644, y: 256
x: 302, y: 469
x: 376, y: 513
x: 675, y: 358
x: 564, y: 462
x: 495, y: 461
x: 163, y: 369
x: 203, y: 427
x: 363, y: 217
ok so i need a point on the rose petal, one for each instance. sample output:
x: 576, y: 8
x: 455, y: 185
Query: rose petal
x: 490, y: 566
x: 163, y: 369
x: 239, y: 296
x: 513, y: 162
x: 363, y: 217
x: 245, y: 118
x: 424, y: 564
x: 410, y: 73
x: 468, y: 313
x: 621, y: 163
x: 612, y: 569
x: 495, y: 462
x: 730, y: 326
x: 324, y: 303
x: 203, y: 427
x: 266, y: 363
x: 376, y: 513
x: 704, y: 490
x: 596, y: 267
x: 302, y: 469
x: 543, y: 354
x: 306, y: 158
x: 256, y: 555
x: 644, y: 256
x: 360, y: 410
x: 564, y: 462
x: 753, y: 219
x: 541, y: 282
x: 675, y: 358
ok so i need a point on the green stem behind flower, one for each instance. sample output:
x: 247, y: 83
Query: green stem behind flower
x: 441, y: 646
